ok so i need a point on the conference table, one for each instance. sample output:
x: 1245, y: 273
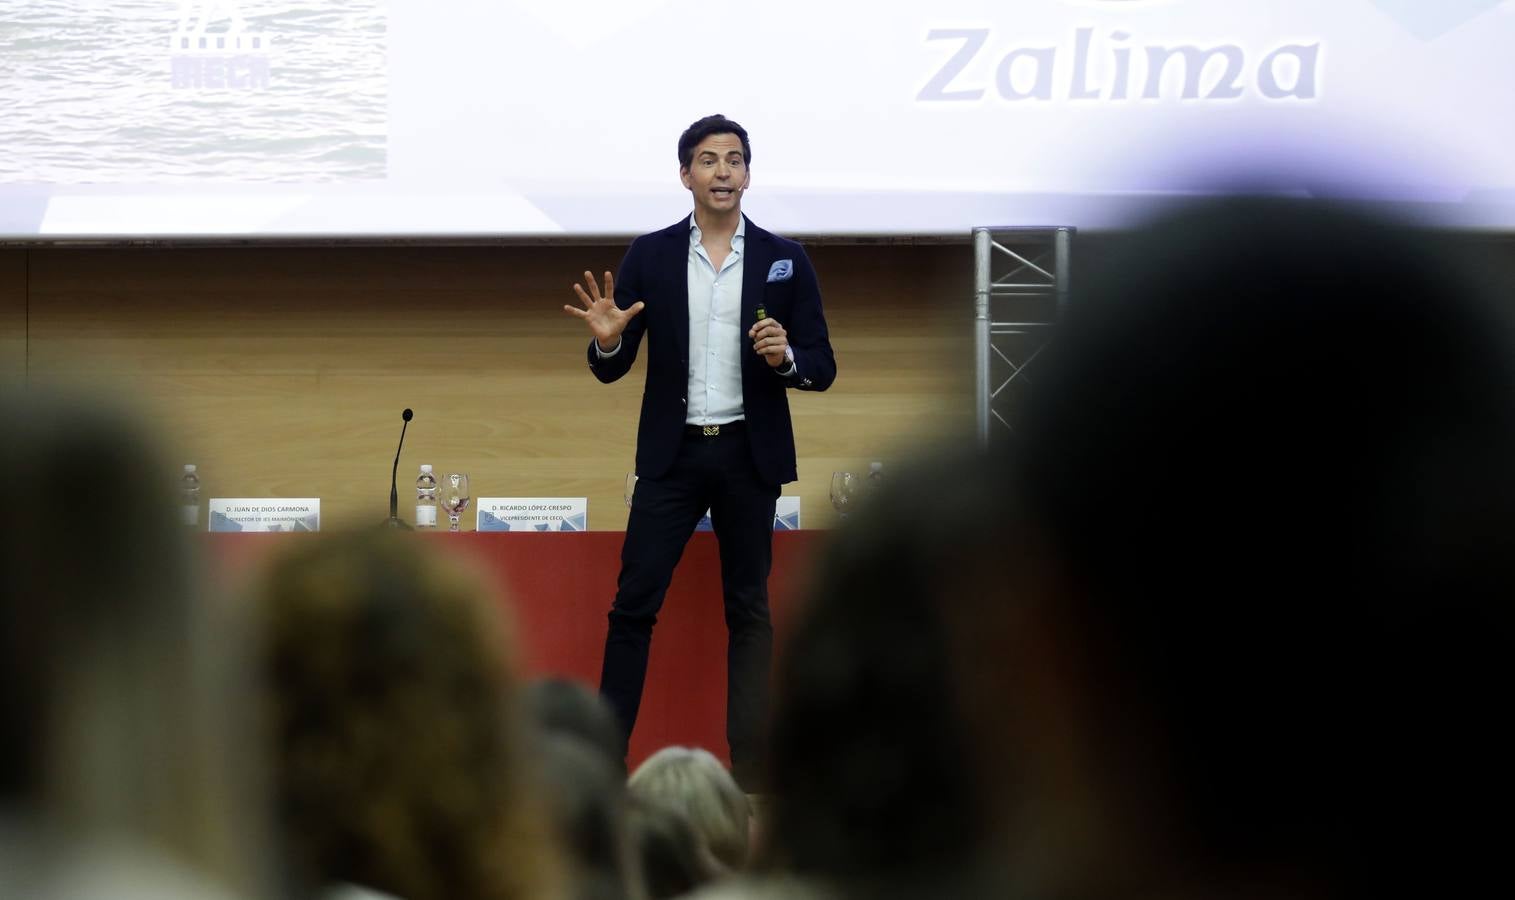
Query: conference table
x: 556, y: 589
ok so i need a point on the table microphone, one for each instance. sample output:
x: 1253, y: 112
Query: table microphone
x: 394, y: 493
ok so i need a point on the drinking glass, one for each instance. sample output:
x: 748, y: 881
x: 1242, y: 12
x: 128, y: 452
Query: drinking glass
x: 846, y: 490
x: 452, y: 495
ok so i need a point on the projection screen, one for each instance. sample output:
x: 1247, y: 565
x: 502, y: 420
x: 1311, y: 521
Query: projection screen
x: 541, y: 118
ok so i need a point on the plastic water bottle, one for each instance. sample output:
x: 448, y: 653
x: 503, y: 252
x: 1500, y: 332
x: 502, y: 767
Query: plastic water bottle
x: 189, y: 497
x: 875, y: 476
x: 426, y: 499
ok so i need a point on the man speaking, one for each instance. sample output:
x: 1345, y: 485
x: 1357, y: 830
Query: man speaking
x: 733, y: 319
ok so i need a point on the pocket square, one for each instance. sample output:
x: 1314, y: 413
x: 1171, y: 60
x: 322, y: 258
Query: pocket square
x: 782, y: 270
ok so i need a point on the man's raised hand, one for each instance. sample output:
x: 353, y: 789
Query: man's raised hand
x: 604, y: 318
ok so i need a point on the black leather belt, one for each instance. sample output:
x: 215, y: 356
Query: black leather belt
x: 705, y: 431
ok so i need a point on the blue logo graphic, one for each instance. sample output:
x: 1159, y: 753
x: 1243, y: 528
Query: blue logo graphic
x: 1430, y: 19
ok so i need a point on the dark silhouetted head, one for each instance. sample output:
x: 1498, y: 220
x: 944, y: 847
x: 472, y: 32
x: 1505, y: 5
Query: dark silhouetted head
x: 1268, y: 472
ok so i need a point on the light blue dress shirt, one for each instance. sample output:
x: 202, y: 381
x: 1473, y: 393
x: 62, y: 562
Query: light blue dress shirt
x: 716, y: 336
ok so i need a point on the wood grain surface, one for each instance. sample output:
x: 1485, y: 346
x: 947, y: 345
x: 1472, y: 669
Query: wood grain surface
x: 281, y: 371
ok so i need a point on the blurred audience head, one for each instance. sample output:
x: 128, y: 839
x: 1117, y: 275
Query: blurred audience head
x: 694, y: 782
x: 674, y: 858
x: 873, y: 783
x: 119, y: 676
x: 568, y: 707
x: 1248, y: 636
x: 403, y: 762
x: 587, y: 804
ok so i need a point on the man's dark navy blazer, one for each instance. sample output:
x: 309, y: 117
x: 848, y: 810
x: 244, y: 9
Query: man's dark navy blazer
x: 656, y: 271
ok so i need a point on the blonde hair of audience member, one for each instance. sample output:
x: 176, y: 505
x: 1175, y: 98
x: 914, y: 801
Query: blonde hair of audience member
x: 121, y: 761
x: 403, y: 763
x: 693, y: 780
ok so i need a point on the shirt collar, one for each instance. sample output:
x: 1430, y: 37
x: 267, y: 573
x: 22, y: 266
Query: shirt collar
x: 740, y: 237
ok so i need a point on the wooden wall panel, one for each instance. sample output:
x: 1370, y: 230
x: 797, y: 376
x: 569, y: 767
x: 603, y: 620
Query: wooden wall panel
x: 12, y: 318
x: 282, y: 371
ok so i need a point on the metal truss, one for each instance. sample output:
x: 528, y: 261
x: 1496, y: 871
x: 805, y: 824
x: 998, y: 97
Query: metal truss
x: 1020, y: 289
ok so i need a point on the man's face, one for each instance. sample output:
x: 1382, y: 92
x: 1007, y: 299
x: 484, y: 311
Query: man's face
x: 717, y: 175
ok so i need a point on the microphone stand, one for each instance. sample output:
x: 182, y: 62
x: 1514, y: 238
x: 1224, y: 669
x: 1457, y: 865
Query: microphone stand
x: 394, y: 492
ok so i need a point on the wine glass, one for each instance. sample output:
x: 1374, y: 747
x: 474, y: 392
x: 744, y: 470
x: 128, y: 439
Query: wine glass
x: 631, y: 488
x: 452, y: 495
x: 846, y: 490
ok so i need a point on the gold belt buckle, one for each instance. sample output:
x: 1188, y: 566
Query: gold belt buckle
x: 712, y: 430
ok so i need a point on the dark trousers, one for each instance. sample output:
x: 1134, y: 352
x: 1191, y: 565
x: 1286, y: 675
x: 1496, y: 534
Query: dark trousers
x: 714, y: 473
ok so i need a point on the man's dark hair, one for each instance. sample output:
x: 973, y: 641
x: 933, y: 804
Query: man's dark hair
x: 704, y: 128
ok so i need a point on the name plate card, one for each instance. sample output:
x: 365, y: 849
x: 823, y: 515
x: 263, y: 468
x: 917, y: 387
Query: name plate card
x: 786, y: 516
x: 248, y: 514
x: 532, y: 514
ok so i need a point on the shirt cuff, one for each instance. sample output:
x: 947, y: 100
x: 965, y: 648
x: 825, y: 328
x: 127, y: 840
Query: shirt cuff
x: 604, y: 354
x: 790, y: 367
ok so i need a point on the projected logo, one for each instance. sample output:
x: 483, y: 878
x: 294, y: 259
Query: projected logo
x: 1430, y: 20
x: 1116, y: 64
x: 213, y: 49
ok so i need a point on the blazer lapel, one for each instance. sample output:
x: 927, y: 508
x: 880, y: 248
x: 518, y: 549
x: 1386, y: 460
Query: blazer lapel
x: 759, y: 256
x: 678, y: 291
